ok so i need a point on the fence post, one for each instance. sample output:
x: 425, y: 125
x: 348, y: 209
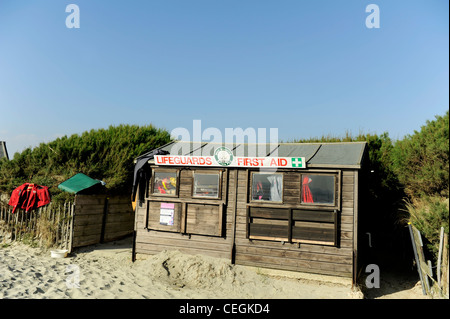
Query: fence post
x: 445, y: 272
x: 416, y: 257
x: 71, y: 214
x: 441, y: 239
x: 105, y: 214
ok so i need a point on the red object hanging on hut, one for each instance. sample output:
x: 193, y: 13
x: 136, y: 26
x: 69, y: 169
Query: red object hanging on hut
x: 306, y: 192
x: 29, y: 196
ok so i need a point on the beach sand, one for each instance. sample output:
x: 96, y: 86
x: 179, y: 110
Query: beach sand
x: 106, y: 271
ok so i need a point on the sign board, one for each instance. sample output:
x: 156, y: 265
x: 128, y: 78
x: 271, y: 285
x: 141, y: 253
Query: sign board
x: 223, y: 157
x: 166, y: 214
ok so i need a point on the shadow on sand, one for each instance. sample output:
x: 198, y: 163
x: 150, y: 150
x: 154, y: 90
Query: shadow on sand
x: 398, y: 278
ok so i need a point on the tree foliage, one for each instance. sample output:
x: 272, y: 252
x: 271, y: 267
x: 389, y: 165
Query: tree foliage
x: 421, y: 160
x: 428, y: 214
x: 104, y: 154
x: 421, y: 163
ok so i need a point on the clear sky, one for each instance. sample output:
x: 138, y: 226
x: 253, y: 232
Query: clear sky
x: 308, y: 68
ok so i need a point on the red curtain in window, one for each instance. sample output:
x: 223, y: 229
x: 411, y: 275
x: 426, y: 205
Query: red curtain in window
x: 306, y: 192
x: 259, y: 190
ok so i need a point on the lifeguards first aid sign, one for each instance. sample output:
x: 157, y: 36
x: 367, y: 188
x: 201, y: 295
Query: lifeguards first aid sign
x: 223, y: 157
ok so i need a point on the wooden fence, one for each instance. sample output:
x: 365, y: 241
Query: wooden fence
x: 49, y: 226
x: 99, y: 219
x: 425, y: 268
x: 92, y: 219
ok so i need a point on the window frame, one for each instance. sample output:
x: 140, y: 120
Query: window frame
x: 207, y: 172
x: 251, y: 200
x: 337, y: 174
x: 152, y: 183
x: 285, y: 222
x: 155, y: 224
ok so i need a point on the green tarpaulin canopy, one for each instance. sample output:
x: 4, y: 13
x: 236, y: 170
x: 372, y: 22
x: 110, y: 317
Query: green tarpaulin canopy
x: 79, y: 183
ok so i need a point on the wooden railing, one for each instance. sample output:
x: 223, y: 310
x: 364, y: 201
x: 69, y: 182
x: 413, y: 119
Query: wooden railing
x: 48, y: 226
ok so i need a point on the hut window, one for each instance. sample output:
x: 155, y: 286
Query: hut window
x: 318, y: 189
x: 267, y: 187
x: 206, y: 185
x: 165, y: 183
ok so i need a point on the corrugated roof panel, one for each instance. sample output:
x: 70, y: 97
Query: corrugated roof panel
x: 208, y: 149
x: 255, y: 150
x: 194, y: 148
x: 339, y: 154
x: 183, y: 148
x: 298, y: 150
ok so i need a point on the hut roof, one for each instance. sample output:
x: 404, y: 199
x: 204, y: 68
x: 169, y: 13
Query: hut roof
x: 326, y: 155
x: 80, y: 183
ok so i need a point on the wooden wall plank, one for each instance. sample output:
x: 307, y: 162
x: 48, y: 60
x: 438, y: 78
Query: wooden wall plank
x: 267, y: 231
x: 203, y: 219
x: 272, y: 213
x: 316, y: 216
x: 89, y: 217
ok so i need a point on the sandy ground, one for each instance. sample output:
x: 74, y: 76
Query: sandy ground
x: 106, y: 271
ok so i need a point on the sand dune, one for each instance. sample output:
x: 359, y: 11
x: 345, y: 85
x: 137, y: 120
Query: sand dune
x: 106, y: 271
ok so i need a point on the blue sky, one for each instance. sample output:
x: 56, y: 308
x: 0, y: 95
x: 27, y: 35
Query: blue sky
x: 308, y: 68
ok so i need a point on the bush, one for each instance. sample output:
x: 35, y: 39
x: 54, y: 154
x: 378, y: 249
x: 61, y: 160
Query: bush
x: 421, y: 163
x: 421, y: 160
x: 428, y: 214
x: 104, y: 154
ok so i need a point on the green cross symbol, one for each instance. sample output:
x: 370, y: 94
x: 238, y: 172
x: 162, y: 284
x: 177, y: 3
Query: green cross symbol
x: 297, y: 162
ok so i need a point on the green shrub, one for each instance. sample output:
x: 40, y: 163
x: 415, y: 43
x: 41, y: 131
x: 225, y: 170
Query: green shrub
x: 421, y: 163
x: 428, y: 215
x: 104, y: 154
x: 421, y: 160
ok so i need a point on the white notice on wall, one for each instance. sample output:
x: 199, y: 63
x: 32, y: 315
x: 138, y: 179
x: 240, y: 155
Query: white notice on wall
x: 166, y: 214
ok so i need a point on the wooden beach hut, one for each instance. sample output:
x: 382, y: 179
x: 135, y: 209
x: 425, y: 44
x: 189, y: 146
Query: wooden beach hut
x: 288, y: 206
